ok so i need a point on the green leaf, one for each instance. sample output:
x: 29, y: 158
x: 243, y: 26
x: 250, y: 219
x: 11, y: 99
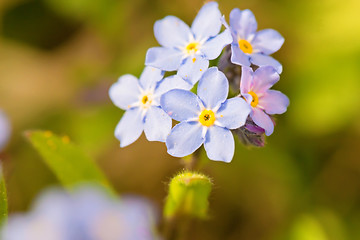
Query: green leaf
x: 3, y: 199
x: 70, y: 165
x: 188, y: 195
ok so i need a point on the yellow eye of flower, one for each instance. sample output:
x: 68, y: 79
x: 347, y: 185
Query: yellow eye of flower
x: 192, y: 48
x: 144, y: 99
x: 207, y: 118
x: 255, y: 99
x: 245, y: 46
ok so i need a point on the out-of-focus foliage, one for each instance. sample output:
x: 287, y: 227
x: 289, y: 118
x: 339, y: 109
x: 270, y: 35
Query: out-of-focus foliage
x: 3, y: 199
x: 305, y: 181
x: 69, y: 164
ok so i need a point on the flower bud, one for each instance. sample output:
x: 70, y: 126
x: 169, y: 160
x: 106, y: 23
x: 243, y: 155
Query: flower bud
x: 188, y: 195
x: 250, y: 134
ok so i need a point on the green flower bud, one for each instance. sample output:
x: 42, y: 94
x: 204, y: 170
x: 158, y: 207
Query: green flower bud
x: 188, y: 195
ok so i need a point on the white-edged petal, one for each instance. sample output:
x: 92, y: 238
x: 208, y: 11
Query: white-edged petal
x: 167, y: 59
x: 233, y: 113
x: 193, y: 68
x: 219, y: 144
x: 157, y: 124
x: 150, y: 76
x: 125, y: 91
x: 264, y: 60
x: 213, y: 48
x: 130, y: 127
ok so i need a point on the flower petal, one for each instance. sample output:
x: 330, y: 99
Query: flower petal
x: 213, y: 88
x: 170, y: 83
x: 193, y: 69
x: 263, y: 120
x: 181, y: 105
x: 125, y: 91
x: 213, y: 48
x: 219, y: 144
x: 171, y: 32
x: 264, y: 78
x: 233, y: 113
x: 239, y: 57
x: 268, y: 41
x: 264, y: 60
x: 207, y: 22
x: 243, y: 23
x: 157, y: 124
x: 150, y: 76
x: 274, y: 102
x: 247, y: 75
x: 167, y: 59
x: 130, y: 127
x: 184, y: 139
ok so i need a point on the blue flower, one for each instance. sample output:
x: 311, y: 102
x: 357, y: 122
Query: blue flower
x: 141, y: 100
x: 205, y: 118
x: 189, y: 50
x: 4, y: 130
x: 88, y: 213
x: 251, y: 47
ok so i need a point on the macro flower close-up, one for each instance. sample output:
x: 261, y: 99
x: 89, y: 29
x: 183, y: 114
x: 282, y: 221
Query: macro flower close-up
x: 185, y: 49
x: 205, y: 118
x: 252, y: 47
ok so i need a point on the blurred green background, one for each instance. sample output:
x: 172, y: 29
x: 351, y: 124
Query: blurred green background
x: 59, y: 57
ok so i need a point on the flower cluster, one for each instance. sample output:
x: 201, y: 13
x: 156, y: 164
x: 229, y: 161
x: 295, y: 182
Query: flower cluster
x: 208, y: 117
x: 86, y: 214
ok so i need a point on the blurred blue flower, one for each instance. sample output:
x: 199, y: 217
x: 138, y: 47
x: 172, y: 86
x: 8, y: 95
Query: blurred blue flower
x: 4, y: 130
x: 87, y: 214
x: 189, y: 49
x: 251, y: 47
x: 255, y: 88
x: 205, y: 118
x: 141, y: 100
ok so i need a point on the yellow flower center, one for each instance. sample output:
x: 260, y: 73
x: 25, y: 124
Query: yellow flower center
x: 192, y: 48
x: 207, y: 118
x: 255, y: 99
x: 146, y: 100
x: 245, y: 46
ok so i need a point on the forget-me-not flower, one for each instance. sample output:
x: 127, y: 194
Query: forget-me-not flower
x: 205, y: 118
x: 255, y: 88
x: 4, y: 130
x: 252, y: 47
x: 141, y: 100
x: 86, y: 214
x: 185, y: 49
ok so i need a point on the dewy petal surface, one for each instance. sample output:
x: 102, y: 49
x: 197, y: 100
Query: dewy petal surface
x: 268, y: 41
x: 171, y: 32
x: 233, y: 113
x: 170, y: 83
x: 243, y: 23
x: 181, y: 105
x: 184, y: 139
x: 274, y: 102
x: 239, y: 57
x: 264, y: 78
x: 125, y: 91
x: 262, y: 120
x: 130, y: 127
x: 246, y: 79
x: 150, y: 76
x: 193, y: 69
x: 207, y: 22
x: 213, y: 88
x: 213, y: 48
x: 219, y: 144
x: 264, y: 60
x: 167, y: 59
x: 157, y: 124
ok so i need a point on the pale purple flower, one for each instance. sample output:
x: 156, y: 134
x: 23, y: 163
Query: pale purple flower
x: 255, y: 88
x: 4, y: 130
x: 250, y: 46
x: 205, y: 118
x: 141, y: 100
x: 87, y: 214
x: 185, y: 49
